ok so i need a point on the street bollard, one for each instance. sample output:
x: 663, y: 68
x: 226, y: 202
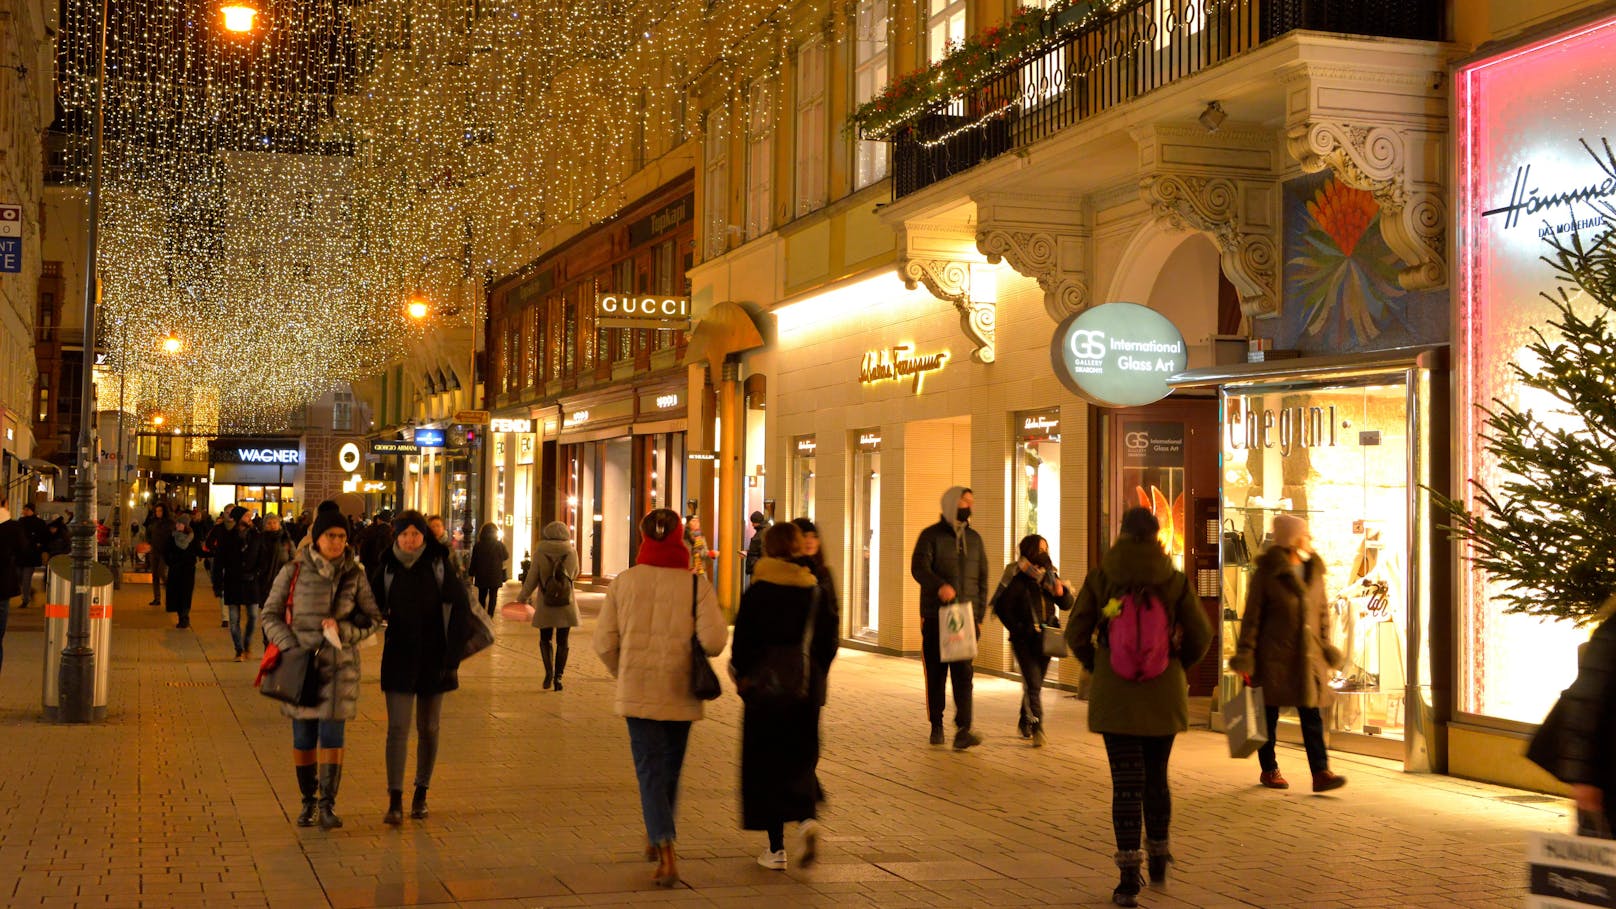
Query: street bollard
x: 58, y: 593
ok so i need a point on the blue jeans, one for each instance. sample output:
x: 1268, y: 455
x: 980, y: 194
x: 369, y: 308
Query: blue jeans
x: 308, y: 735
x: 241, y: 626
x: 659, y: 755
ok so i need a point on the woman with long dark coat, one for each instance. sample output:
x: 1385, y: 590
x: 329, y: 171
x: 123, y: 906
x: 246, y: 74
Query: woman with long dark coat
x: 428, y: 612
x: 488, y: 560
x: 180, y: 552
x: 780, y: 740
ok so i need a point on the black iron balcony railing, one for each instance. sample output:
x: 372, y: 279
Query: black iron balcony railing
x: 1114, y: 58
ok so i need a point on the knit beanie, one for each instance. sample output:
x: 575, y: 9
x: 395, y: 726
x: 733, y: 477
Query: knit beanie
x: 1289, y: 530
x: 327, y: 516
x: 412, y: 518
x: 237, y: 512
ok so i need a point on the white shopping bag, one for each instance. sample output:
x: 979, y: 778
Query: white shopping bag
x: 956, y: 632
x: 1244, y: 722
x: 1570, y: 871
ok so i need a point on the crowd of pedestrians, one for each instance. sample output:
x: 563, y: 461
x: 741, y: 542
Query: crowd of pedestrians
x: 326, y: 582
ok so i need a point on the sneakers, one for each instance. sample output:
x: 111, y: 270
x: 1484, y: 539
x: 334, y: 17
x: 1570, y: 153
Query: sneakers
x: 774, y: 861
x: 965, y: 738
x: 936, y: 733
x: 1273, y: 780
x: 810, y: 842
x: 1039, y: 740
x: 1326, y: 781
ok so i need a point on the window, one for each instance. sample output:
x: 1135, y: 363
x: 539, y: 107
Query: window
x: 622, y: 282
x: 716, y: 184
x: 44, y: 401
x: 810, y: 127
x: 665, y: 278
x: 569, y: 337
x: 945, y: 26
x: 759, y: 157
x: 869, y: 78
x: 342, y: 407
x: 165, y: 448
x: 528, y: 353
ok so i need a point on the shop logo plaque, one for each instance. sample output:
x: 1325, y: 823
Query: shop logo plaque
x: 1118, y: 354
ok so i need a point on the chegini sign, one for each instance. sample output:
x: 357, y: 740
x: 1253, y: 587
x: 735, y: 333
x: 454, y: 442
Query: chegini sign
x: 1118, y: 354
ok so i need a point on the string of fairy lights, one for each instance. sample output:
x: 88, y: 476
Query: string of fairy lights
x: 273, y: 198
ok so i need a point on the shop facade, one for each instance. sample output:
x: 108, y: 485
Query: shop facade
x: 1531, y: 120
x: 262, y: 474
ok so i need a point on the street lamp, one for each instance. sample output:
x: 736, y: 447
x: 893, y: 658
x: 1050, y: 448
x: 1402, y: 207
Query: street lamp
x: 238, y: 17
x: 77, y: 675
x: 172, y: 344
x: 418, y: 307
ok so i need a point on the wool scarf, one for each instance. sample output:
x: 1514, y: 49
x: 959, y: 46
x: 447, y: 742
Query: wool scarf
x: 665, y: 553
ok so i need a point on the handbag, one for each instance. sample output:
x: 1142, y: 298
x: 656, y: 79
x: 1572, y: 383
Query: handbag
x: 1244, y: 722
x: 272, y: 651
x: 956, y: 632
x: 1055, y: 642
x: 296, y: 678
x: 783, y: 676
x: 704, y: 685
x: 1235, y: 549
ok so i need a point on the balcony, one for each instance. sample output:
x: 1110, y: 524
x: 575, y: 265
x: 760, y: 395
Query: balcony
x: 1091, y: 59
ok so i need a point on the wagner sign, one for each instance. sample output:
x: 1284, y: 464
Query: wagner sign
x: 1118, y: 354
x: 280, y: 452
x: 642, y: 311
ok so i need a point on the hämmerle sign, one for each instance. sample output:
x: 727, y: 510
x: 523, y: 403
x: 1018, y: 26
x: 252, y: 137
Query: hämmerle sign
x: 1118, y: 354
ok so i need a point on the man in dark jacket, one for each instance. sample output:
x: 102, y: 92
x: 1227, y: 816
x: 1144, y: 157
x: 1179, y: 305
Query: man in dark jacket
x: 276, y: 550
x: 212, y: 541
x: 12, y: 544
x: 37, y: 534
x: 241, y: 554
x: 950, y: 563
x: 754, y: 549
x: 375, y: 540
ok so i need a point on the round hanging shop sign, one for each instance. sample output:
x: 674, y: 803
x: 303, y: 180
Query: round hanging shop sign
x: 1118, y: 354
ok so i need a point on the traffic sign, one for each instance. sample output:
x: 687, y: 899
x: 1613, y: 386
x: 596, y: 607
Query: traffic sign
x: 471, y: 417
x: 10, y: 239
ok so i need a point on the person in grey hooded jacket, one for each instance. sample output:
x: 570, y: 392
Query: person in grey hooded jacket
x: 554, y: 616
x: 949, y: 563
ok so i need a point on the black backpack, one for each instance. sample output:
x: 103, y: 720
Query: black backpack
x: 558, y: 587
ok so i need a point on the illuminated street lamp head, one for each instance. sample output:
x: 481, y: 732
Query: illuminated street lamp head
x: 157, y: 420
x: 238, y: 18
x: 172, y: 344
x: 418, y: 307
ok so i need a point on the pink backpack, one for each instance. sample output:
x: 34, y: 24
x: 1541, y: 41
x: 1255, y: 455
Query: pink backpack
x: 1140, y: 636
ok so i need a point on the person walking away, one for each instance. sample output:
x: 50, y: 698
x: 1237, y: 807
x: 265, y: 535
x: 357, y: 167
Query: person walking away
x: 1576, y: 743
x: 241, y: 552
x: 754, y: 546
x: 1027, y: 603
x: 781, y: 614
x: 1129, y: 612
x: 488, y: 558
x: 276, y: 552
x: 949, y: 562
x: 37, y: 533
x: 643, y: 637
x: 1284, y: 646
x: 427, y: 607
x: 700, y: 553
x: 555, y: 568
x: 159, y: 527
x: 183, y: 551
x: 375, y: 539
x: 330, y: 598
x: 215, y: 540
x: 13, y: 544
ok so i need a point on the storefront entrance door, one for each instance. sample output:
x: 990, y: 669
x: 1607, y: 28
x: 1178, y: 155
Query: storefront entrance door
x: 1164, y: 457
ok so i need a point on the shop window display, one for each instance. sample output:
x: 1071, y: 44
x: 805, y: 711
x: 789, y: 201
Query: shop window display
x: 1035, y: 468
x: 1338, y: 456
x: 864, y: 618
x: 803, y: 451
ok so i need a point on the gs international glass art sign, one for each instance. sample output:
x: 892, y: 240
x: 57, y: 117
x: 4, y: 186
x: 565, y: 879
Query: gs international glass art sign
x: 1118, y: 354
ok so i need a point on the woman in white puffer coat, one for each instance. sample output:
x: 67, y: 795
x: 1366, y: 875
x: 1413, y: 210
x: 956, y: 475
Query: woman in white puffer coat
x: 643, y: 637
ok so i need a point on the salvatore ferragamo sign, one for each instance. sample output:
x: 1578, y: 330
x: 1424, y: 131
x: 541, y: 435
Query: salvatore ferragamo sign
x: 900, y: 362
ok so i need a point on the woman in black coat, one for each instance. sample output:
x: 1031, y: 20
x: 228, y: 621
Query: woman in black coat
x: 1025, y: 602
x: 428, y: 612
x: 780, y: 738
x: 180, y: 552
x: 488, y: 560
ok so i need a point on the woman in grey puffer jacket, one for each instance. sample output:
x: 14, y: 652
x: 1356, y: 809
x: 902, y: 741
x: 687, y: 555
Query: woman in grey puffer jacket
x: 328, y: 589
x: 556, y: 559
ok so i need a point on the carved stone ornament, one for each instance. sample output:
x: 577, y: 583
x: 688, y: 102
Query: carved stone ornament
x: 1375, y: 159
x: 1211, y: 205
x: 950, y: 279
x: 1037, y: 254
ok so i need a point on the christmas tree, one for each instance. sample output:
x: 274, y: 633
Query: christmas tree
x: 1547, y: 531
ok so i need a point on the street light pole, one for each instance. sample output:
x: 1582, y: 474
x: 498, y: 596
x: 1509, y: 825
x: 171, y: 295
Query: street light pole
x: 77, y: 678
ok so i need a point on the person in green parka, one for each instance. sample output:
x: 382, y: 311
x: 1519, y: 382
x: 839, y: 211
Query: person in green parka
x: 1138, y: 720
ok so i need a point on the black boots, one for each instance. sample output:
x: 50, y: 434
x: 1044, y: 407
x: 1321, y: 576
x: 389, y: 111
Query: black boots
x: 330, y: 781
x: 308, y: 785
x: 1127, y: 892
x: 560, y: 661
x: 547, y: 654
x: 418, y: 804
x: 1159, y: 858
x: 395, y: 807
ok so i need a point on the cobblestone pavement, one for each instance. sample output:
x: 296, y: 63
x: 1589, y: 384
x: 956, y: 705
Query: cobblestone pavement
x: 184, y: 797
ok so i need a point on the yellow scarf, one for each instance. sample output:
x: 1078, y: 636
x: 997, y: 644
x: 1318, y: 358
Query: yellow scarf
x: 782, y: 572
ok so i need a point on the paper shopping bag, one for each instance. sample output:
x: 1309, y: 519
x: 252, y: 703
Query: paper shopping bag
x: 956, y: 632
x: 1244, y: 723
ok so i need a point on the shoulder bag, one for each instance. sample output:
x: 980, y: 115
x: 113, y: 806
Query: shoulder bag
x: 291, y: 676
x: 784, y: 674
x: 704, y: 683
x: 1235, y: 549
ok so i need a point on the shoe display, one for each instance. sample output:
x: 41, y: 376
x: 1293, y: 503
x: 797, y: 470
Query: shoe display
x: 937, y: 733
x: 1326, y: 781
x: 1273, y: 780
x: 965, y: 738
x: 810, y: 842
x: 774, y: 861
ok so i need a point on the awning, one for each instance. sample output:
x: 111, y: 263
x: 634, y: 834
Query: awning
x: 1312, y: 369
